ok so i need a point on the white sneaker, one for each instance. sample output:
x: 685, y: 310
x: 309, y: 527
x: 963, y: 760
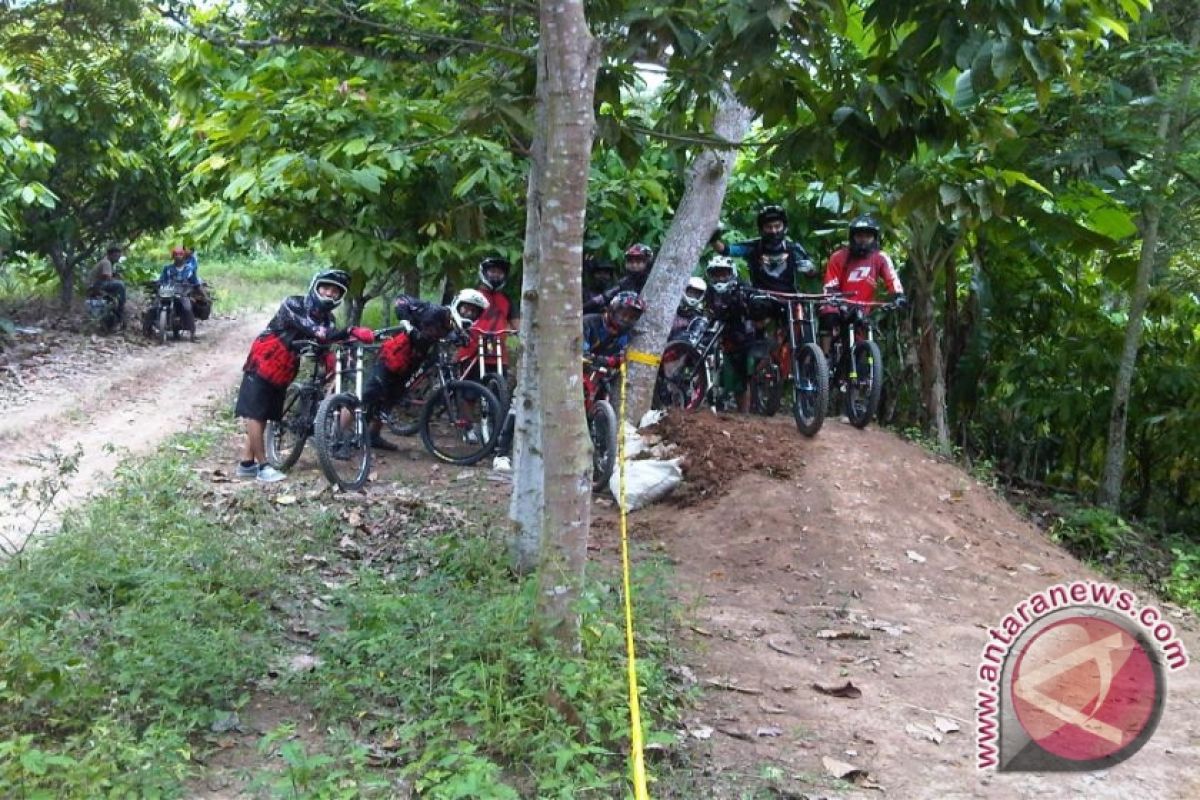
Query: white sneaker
x: 472, y: 437
x: 268, y: 474
x: 501, y: 464
x: 247, y: 472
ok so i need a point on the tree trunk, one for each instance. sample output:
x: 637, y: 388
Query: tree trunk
x: 926, y: 253
x: 695, y: 219
x: 64, y: 267
x: 1171, y: 124
x: 551, y: 502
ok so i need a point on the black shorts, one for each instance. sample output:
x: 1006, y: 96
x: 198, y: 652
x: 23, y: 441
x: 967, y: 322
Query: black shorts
x: 258, y: 399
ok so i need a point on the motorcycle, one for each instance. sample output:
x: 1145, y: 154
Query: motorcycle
x: 102, y: 311
x: 162, y: 317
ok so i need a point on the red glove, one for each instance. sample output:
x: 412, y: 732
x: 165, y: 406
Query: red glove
x: 612, y: 362
x: 364, y: 335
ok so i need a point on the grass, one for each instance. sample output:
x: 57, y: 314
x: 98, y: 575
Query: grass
x: 165, y: 606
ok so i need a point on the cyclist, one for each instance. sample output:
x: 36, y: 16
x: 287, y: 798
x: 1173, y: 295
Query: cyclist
x: 691, y: 306
x: 400, y: 356
x: 855, y: 271
x: 599, y: 276
x: 776, y: 262
x: 728, y: 303
x: 274, y: 361
x: 496, y: 315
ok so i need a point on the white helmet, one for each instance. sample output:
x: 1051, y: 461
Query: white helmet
x: 467, y: 297
x: 694, y: 303
x: 721, y: 263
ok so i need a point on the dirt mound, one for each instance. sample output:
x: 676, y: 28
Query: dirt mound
x: 720, y: 447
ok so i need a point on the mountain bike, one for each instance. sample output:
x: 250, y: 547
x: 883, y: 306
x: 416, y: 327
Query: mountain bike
x: 458, y: 420
x: 855, y: 358
x: 690, y: 370
x: 285, y: 438
x: 602, y: 420
x: 800, y: 360
x: 340, y: 431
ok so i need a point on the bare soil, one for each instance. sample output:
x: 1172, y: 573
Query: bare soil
x: 774, y: 539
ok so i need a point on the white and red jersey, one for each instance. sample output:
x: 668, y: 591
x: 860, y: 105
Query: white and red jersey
x: 857, y: 278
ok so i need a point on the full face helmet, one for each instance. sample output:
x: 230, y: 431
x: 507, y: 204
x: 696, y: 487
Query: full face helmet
x: 772, y: 224
x: 467, y: 307
x: 493, y: 272
x: 336, y: 278
x: 722, y: 274
x: 693, y: 295
x: 864, y: 235
x: 624, y: 311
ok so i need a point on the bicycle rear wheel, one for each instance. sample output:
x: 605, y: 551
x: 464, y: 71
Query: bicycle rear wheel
x: 343, y: 445
x: 460, y: 422
x: 602, y: 426
x: 285, y: 437
x: 766, y: 388
x: 810, y: 389
x: 863, y: 390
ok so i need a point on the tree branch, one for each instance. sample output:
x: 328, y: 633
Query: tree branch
x: 417, y: 34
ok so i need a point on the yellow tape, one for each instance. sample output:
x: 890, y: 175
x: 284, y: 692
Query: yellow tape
x: 635, y: 714
x: 649, y: 359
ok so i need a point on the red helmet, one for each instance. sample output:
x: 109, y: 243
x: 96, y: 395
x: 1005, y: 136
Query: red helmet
x: 624, y: 310
x: 639, y: 251
x: 179, y: 251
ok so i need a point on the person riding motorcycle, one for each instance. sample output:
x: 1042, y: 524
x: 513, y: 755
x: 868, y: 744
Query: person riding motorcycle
x: 105, y: 281
x: 181, y: 272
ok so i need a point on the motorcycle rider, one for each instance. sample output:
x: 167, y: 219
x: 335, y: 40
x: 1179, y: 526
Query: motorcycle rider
x: 181, y: 271
x: 274, y: 361
x: 105, y: 280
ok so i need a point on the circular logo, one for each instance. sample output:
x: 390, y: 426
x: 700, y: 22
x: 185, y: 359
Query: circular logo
x: 1086, y: 688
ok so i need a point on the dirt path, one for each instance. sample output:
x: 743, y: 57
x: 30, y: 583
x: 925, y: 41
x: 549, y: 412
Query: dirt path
x: 865, y: 534
x: 71, y: 399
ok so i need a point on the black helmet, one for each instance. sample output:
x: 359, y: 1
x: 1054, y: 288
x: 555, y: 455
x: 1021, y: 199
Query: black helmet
x: 772, y: 213
x: 492, y: 262
x: 330, y: 277
x: 864, y: 222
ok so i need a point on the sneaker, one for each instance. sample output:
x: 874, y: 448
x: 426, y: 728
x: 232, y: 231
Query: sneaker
x: 246, y: 471
x: 380, y: 443
x: 501, y: 464
x: 268, y: 474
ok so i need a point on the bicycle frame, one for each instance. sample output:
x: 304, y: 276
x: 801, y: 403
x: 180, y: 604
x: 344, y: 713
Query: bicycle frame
x: 843, y: 340
x: 489, y: 356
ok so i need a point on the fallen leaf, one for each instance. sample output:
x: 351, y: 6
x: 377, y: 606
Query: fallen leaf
x: 304, y: 662
x: 767, y: 708
x: 701, y: 732
x: 285, y: 500
x: 768, y: 730
x: 780, y: 648
x: 946, y: 725
x: 840, y: 769
x: 730, y: 687
x: 736, y: 733
x: 915, y: 556
x: 847, y: 690
x: 924, y: 732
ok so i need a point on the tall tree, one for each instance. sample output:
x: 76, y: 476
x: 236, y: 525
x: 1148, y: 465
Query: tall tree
x: 1172, y: 94
x: 551, y: 502
x: 100, y: 99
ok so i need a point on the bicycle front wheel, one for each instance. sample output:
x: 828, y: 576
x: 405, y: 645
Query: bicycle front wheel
x: 602, y: 425
x: 403, y: 418
x: 810, y: 389
x: 343, y: 444
x: 286, y: 436
x: 460, y: 422
x: 864, y: 387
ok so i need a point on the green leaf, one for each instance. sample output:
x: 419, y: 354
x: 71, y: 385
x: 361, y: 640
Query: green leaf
x: 1012, y: 176
x: 367, y: 179
x: 355, y: 146
x: 964, y: 91
x: 238, y: 186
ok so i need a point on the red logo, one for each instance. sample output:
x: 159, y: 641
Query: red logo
x: 1084, y: 689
